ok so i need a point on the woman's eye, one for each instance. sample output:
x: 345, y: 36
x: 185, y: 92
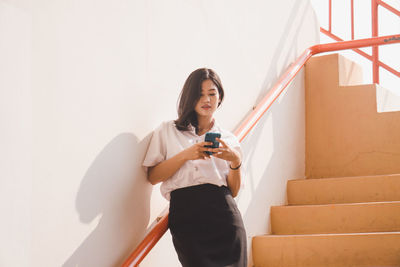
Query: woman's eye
x: 212, y: 94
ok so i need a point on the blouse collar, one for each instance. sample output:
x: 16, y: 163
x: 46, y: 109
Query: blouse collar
x: 214, y: 128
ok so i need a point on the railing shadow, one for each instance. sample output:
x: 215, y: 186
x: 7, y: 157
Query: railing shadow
x: 114, y: 190
x: 282, y: 123
x: 271, y: 77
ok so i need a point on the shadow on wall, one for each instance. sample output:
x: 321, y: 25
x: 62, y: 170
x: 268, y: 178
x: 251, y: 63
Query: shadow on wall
x: 284, y: 119
x: 271, y: 78
x: 267, y: 187
x: 289, y: 38
x: 274, y: 72
x: 114, y: 188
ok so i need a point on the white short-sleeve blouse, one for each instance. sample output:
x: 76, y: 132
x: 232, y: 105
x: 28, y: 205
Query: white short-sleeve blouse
x: 167, y: 141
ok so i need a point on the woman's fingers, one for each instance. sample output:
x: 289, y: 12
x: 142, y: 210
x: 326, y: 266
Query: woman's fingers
x: 201, y: 155
x: 222, y: 155
x: 218, y: 150
x: 201, y: 150
x: 222, y: 142
x: 222, y: 152
x: 205, y: 144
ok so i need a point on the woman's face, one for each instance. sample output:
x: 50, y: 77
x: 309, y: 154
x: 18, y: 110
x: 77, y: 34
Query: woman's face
x: 209, y: 99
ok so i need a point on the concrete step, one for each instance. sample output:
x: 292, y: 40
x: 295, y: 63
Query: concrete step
x: 336, y: 218
x: 327, y: 250
x: 344, y: 190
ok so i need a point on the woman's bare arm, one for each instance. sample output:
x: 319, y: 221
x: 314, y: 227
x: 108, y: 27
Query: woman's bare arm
x: 234, y: 158
x: 234, y: 178
x: 165, y: 169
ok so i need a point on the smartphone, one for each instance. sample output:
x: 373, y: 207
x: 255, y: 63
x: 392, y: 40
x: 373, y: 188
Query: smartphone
x: 210, y: 137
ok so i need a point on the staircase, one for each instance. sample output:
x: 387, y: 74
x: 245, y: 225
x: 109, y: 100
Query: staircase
x: 347, y: 212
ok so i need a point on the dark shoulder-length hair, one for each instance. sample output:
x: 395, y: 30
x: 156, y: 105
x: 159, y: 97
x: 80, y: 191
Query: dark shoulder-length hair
x: 190, y: 95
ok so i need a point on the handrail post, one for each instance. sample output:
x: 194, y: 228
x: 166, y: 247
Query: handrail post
x: 330, y: 16
x: 375, y: 49
x: 352, y: 19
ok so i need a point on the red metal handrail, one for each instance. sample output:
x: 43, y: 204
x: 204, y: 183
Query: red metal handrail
x: 285, y: 79
x: 251, y: 120
x: 374, y: 58
x: 147, y: 243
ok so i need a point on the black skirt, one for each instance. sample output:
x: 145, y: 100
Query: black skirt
x: 206, y: 227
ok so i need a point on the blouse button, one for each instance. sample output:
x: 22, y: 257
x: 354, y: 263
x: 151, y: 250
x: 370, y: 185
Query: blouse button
x: 196, y: 168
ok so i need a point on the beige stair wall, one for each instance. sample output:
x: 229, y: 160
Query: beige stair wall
x: 345, y: 135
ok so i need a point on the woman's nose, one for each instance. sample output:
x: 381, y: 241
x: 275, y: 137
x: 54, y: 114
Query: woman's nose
x: 206, y: 98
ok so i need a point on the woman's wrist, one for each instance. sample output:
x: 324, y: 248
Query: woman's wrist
x: 235, y: 164
x: 184, y: 155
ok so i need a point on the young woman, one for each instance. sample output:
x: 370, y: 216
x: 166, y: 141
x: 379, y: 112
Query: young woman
x: 205, y: 223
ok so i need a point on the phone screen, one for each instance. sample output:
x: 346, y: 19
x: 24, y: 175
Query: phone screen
x: 210, y: 137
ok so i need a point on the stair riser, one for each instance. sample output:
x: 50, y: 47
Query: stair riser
x: 344, y: 190
x: 327, y: 251
x: 343, y: 218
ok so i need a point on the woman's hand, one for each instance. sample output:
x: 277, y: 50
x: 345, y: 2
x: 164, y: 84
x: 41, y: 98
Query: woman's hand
x: 227, y: 153
x: 196, y: 151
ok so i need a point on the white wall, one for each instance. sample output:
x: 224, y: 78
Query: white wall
x: 104, y: 75
x: 15, y: 134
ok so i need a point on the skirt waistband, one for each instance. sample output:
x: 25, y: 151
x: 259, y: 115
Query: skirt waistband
x: 199, y: 190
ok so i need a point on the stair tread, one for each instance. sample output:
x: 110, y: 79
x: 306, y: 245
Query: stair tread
x: 338, y: 204
x: 345, y: 178
x: 331, y: 234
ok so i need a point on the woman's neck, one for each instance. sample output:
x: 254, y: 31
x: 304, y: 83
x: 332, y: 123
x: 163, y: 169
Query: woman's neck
x: 204, y: 124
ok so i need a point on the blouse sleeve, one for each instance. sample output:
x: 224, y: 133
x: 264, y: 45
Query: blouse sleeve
x: 235, y: 142
x: 156, y: 151
x: 232, y: 140
x: 236, y: 145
